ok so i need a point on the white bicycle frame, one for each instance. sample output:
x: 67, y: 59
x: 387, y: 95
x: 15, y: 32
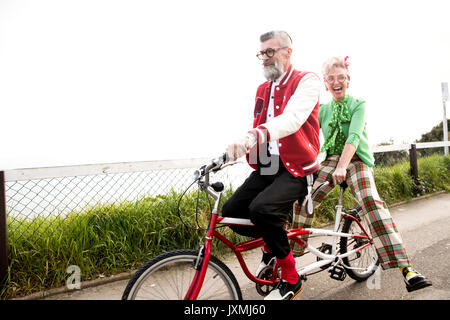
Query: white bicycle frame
x: 332, y: 259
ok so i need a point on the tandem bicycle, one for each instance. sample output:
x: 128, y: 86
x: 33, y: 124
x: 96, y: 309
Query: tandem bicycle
x: 197, y: 274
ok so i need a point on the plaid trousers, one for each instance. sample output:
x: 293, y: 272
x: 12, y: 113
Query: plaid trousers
x: 388, y: 242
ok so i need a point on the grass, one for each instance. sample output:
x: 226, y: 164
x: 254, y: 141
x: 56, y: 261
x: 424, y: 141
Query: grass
x: 101, y: 240
x: 112, y: 238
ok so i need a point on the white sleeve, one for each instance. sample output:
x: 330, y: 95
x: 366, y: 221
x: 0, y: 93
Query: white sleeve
x: 297, y: 110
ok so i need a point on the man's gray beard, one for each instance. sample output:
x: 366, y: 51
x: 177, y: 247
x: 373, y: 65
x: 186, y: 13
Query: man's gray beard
x: 273, y: 72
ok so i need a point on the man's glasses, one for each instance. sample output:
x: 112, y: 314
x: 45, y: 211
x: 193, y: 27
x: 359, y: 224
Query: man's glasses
x: 340, y: 78
x: 268, y: 52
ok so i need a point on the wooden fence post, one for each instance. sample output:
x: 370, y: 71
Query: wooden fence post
x: 418, y: 188
x: 413, y: 162
x: 3, y: 232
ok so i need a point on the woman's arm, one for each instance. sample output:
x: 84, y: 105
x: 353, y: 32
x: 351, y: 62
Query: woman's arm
x: 340, y: 173
x: 357, y: 125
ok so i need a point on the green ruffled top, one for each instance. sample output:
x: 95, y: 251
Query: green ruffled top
x: 335, y: 142
x: 345, y: 122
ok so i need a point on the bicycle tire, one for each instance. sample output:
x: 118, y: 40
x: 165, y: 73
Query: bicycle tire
x: 169, y: 275
x: 366, y: 259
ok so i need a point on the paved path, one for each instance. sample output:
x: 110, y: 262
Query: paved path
x: 425, y: 228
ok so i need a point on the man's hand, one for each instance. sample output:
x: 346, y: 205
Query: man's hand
x: 240, y: 147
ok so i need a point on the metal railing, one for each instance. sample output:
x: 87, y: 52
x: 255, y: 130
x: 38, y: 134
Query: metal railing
x: 408, y: 146
x: 412, y: 150
x: 26, y: 194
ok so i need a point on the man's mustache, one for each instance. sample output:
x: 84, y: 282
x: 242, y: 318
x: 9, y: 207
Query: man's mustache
x: 268, y: 63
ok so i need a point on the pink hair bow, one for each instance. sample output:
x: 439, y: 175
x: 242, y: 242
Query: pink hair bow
x: 347, y: 63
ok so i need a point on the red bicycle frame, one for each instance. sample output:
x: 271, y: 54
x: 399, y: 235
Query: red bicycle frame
x: 205, y: 251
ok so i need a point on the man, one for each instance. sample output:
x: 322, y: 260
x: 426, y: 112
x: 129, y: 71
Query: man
x: 282, y: 147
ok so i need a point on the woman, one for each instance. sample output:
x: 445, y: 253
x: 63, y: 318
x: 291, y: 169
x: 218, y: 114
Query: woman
x: 349, y: 158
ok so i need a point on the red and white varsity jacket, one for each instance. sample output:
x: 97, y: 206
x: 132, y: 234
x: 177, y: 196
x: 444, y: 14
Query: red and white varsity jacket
x: 295, y: 124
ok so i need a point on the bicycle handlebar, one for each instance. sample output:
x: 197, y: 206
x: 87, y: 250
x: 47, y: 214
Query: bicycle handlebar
x: 201, y: 177
x: 216, y: 164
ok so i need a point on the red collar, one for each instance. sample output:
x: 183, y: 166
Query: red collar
x: 287, y: 76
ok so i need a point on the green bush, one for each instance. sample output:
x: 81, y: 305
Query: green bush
x: 434, y: 171
x: 394, y: 183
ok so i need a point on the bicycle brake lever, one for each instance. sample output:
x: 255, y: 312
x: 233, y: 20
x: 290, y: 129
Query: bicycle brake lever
x: 219, y: 162
x: 199, y: 172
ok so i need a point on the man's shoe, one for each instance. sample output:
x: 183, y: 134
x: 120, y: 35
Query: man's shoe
x: 414, y: 280
x: 285, y: 290
x: 267, y: 259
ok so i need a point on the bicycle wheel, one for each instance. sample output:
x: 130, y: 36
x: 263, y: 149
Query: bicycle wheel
x: 362, y: 264
x: 169, y: 276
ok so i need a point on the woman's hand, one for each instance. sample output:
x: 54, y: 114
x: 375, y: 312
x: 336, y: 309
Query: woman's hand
x: 339, y: 176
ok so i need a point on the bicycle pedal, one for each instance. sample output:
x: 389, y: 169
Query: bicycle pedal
x: 337, y: 273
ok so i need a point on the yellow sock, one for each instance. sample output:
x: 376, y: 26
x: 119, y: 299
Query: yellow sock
x: 410, y: 272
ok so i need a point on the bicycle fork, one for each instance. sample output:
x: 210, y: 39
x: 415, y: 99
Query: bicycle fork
x: 202, y: 261
x: 337, y: 272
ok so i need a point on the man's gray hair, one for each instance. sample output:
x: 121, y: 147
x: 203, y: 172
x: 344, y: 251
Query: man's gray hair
x: 282, y: 36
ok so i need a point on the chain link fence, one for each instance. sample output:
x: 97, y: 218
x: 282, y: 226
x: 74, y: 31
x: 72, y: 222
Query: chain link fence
x: 50, y: 216
x: 35, y: 197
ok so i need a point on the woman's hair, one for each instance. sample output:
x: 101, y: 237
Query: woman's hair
x: 335, y: 62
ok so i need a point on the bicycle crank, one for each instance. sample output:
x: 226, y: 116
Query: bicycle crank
x: 265, y: 274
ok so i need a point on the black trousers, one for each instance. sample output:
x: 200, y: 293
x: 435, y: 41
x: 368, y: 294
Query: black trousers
x: 267, y: 201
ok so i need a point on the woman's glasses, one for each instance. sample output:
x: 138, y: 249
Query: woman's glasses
x: 340, y: 78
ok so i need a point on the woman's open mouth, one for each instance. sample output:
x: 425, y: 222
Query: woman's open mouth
x: 337, y: 89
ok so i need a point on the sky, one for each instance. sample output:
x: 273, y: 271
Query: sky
x: 102, y: 81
